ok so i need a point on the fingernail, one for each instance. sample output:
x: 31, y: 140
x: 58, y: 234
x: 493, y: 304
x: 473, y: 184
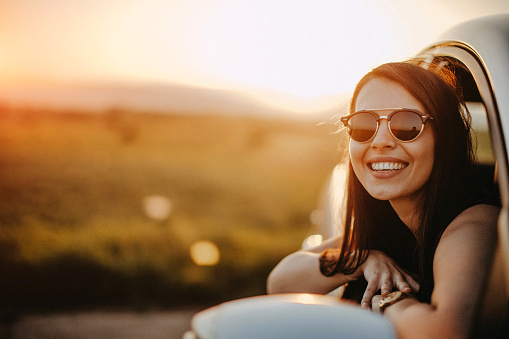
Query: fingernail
x: 365, y: 305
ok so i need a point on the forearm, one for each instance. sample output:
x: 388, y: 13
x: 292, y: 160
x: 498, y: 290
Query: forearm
x: 300, y: 273
x: 413, y: 319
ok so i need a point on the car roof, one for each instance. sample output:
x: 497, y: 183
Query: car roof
x: 487, y: 38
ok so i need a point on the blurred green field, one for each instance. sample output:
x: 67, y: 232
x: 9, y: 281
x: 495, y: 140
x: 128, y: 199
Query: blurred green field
x: 74, y: 233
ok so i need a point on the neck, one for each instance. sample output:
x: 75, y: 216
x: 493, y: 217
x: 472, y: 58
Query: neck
x: 408, y: 212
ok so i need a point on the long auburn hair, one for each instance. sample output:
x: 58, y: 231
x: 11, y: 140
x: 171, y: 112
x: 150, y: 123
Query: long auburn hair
x: 447, y: 192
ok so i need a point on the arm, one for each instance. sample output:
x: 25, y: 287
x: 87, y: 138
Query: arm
x: 460, y: 267
x: 299, y: 272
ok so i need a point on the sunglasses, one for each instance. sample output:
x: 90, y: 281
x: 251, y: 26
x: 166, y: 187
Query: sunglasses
x: 404, y: 124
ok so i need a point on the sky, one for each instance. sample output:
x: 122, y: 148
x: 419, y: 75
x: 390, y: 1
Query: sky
x: 302, y: 48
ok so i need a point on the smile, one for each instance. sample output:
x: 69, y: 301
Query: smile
x: 387, y: 166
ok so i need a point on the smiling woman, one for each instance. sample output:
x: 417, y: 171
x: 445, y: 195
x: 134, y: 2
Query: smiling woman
x: 416, y: 219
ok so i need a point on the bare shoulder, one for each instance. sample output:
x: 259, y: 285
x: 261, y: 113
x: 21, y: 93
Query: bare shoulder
x: 479, y: 219
x: 469, y: 238
x: 462, y: 257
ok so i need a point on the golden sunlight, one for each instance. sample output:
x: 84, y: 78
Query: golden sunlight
x: 298, y: 48
x: 293, y: 47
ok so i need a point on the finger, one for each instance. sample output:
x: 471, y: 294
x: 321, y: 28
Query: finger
x: 403, y: 286
x: 387, y: 285
x: 368, y: 294
x: 414, y: 285
x: 400, y: 282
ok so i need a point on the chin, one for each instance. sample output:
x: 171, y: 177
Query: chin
x: 385, y: 195
x: 383, y: 198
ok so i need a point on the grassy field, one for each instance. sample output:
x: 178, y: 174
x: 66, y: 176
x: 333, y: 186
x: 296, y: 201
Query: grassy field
x: 74, y: 232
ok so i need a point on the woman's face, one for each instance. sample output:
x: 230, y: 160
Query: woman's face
x: 413, y: 160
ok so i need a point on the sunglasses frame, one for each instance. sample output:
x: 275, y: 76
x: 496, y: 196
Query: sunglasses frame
x: 424, y: 118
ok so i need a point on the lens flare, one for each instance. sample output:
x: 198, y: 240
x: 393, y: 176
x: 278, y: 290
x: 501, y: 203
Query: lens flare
x: 312, y: 241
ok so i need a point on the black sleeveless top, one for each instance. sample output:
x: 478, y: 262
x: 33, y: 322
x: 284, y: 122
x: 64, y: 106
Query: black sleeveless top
x: 401, y: 246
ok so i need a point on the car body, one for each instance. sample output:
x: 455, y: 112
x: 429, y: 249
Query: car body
x: 479, y: 52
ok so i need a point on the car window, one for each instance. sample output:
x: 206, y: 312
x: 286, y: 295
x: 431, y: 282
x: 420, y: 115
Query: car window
x: 478, y: 96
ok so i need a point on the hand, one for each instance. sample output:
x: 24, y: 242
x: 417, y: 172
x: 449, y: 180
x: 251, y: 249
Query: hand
x: 382, y: 273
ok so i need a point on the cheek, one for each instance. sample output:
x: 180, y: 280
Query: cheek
x: 352, y: 152
x: 355, y: 149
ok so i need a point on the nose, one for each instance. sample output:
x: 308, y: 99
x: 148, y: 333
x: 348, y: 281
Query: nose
x: 383, y: 138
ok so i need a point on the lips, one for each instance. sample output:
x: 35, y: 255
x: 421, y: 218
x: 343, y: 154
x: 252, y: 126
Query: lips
x: 386, y: 166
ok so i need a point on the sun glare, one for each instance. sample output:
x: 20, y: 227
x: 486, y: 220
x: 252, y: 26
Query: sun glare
x: 312, y: 241
x: 296, y: 47
x: 289, y: 46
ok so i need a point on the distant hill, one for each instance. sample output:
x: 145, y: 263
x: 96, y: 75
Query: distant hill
x: 171, y: 98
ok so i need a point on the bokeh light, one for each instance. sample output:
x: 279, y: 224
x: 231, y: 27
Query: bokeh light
x: 204, y: 253
x: 317, y: 217
x: 157, y: 207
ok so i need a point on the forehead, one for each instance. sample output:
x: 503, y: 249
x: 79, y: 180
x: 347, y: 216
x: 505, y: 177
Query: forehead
x: 382, y: 93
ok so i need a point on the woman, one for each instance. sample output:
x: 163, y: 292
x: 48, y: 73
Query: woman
x: 415, y: 221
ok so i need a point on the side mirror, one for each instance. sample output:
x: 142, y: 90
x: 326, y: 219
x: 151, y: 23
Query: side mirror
x: 288, y: 316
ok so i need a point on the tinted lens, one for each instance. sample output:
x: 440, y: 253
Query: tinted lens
x: 406, y: 125
x: 362, y: 126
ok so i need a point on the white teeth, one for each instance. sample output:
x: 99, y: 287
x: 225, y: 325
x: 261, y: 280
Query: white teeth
x: 387, y: 166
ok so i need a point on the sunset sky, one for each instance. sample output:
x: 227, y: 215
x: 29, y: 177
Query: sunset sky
x: 302, y: 48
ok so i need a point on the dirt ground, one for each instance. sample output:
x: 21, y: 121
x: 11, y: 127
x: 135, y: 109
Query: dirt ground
x: 101, y: 325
